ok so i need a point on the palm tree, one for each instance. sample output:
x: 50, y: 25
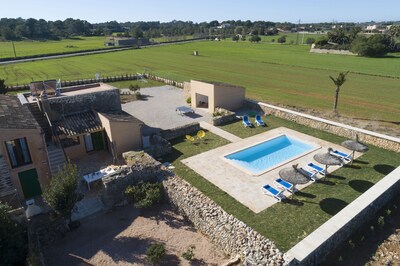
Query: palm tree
x: 338, y: 83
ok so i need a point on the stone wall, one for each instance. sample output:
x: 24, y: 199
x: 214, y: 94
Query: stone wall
x: 158, y: 147
x: 180, y: 131
x: 225, y: 117
x: 142, y: 167
x: 230, y: 234
x: 331, y: 51
x: 376, y: 139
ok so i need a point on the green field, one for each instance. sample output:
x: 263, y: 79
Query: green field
x: 291, y: 37
x: 29, y: 48
x: 278, y: 74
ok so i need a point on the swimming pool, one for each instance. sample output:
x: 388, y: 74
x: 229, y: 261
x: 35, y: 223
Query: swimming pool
x: 267, y: 155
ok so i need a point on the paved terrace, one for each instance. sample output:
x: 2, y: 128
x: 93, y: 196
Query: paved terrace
x: 243, y: 186
x: 158, y: 108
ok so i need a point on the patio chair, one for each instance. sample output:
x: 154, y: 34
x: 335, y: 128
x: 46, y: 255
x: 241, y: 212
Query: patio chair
x: 316, y: 168
x: 259, y: 121
x: 284, y: 185
x: 246, y: 121
x: 273, y: 192
x: 311, y: 175
x: 346, y: 158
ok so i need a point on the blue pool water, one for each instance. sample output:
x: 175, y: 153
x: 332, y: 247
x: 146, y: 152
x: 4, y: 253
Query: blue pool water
x: 261, y: 157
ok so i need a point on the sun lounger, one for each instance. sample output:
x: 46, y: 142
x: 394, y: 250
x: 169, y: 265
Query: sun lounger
x: 273, y: 192
x: 316, y: 168
x: 311, y: 175
x: 259, y: 121
x: 346, y: 158
x: 246, y: 121
x: 284, y: 185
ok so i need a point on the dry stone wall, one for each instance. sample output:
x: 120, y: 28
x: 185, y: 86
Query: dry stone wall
x: 379, y: 140
x: 180, y: 131
x: 230, y: 234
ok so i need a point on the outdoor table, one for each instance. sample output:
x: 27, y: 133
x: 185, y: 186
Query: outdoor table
x: 90, y: 178
x: 182, y: 110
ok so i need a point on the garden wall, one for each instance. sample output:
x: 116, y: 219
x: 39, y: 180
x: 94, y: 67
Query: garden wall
x: 180, y: 131
x: 331, y: 51
x: 231, y: 235
x: 376, y: 139
x: 312, y: 249
x: 222, y: 120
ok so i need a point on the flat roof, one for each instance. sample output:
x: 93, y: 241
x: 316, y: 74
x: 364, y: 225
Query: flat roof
x: 76, y: 90
x: 220, y: 83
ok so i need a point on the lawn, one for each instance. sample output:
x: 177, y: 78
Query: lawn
x: 287, y: 223
x: 29, y: 48
x: 277, y: 74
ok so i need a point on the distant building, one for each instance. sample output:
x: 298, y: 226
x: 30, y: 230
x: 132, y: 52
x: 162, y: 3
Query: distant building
x: 224, y: 26
x: 121, y: 42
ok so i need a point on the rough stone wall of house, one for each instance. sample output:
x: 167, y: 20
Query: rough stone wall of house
x: 180, y: 131
x: 101, y: 101
x: 334, y: 129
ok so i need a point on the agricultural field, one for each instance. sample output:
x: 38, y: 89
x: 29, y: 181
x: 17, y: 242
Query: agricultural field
x: 291, y: 37
x: 277, y: 74
x: 29, y: 48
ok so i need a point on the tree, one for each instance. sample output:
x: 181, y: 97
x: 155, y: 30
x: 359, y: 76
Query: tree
x: 62, y: 193
x: 255, y: 38
x: 235, y: 38
x: 339, y: 81
x: 282, y: 39
x: 3, y: 86
x: 13, y: 239
x: 243, y: 37
x: 376, y: 45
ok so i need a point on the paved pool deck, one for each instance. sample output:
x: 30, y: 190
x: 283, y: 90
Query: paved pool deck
x: 243, y: 186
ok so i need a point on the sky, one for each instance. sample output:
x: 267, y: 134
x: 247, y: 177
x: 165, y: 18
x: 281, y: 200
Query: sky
x: 307, y: 11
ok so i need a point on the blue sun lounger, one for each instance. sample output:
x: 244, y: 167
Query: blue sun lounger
x: 273, y: 192
x: 311, y: 175
x: 284, y: 185
x: 316, y: 168
x: 246, y: 121
x: 259, y: 121
x: 346, y: 158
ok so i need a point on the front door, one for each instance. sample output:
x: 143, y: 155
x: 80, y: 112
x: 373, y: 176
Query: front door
x: 94, y: 141
x: 30, y: 183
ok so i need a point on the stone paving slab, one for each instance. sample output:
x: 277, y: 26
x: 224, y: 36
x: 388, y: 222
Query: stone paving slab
x: 222, y: 133
x: 158, y: 109
x: 241, y: 185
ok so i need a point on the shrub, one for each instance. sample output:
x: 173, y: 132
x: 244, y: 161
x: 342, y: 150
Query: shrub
x: 189, y: 100
x: 273, y: 40
x: 310, y: 40
x: 145, y: 195
x: 134, y: 87
x: 282, y: 39
x: 155, y: 253
x: 189, y: 253
x: 375, y: 46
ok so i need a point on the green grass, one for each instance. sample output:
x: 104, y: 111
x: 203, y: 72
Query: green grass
x: 29, y: 48
x: 125, y: 84
x: 286, y: 224
x: 291, y: 37
x: 277, y: 74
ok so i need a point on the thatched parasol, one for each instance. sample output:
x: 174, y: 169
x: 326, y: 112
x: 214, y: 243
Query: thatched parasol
x: 294, y: 176
x: 354, y: 145
x: 327, y: 159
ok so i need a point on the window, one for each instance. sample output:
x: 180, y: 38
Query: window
x: 18, y: 152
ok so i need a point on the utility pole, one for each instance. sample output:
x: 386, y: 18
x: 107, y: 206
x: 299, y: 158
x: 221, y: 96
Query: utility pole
x: 297, y: 35
x: 15, y: 54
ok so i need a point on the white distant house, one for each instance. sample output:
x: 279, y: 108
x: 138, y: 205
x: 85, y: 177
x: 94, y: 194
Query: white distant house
x: 371, y: 27
x: 224, y: 26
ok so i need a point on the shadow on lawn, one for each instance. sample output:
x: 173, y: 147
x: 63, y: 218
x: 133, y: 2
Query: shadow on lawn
x: 384, y: 168
x: 305, y: 195
x: 360, y: 185
x: 325, y: 182
x: 332, y: 206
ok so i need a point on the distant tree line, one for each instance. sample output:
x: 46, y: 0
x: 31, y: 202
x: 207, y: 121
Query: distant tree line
x: 376, y: 45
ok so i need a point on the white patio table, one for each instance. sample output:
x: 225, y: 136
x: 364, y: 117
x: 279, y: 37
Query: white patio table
x: 89, y: 178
